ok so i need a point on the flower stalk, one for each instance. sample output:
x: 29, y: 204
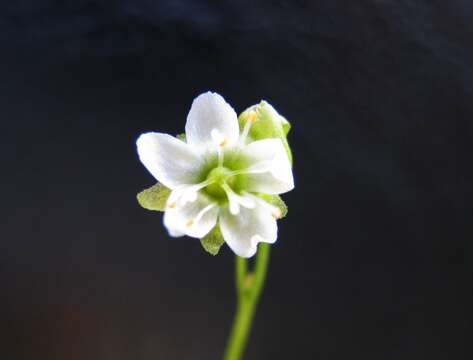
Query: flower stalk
x: 249, y: 286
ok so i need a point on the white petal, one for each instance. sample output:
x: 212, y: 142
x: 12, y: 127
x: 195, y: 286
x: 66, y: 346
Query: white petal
x: 186, y: 193
x: 175, y: 233
x: 171, y: 161
x: 268, y: 168
x: 244, y: 231
x: 210, y: 112
x: 194, y: 219
x: 235, y: 200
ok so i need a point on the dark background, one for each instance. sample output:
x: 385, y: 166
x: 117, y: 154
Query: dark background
x: 371, y: 262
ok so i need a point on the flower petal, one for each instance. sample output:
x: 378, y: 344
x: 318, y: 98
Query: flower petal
x: 268, y: 168
x: 210, y: 112
x: 171, y: 161
x: 194, y: 218
x: 175, y: 233
x: 235, y: 200
x: 244, y: 231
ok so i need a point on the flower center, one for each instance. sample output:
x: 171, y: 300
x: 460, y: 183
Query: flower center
x: 217, y: 178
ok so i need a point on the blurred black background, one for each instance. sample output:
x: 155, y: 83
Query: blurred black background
x: 371, y: 262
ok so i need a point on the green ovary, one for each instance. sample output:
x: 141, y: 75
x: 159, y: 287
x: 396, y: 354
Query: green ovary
x: 218, y: 177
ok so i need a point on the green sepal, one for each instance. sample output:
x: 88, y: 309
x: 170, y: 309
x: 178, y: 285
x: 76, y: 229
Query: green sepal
x: 276, y: 200
x: 213, y: 241
x: 154, y: 198
x: 269, y: 124
x: 181, y: 137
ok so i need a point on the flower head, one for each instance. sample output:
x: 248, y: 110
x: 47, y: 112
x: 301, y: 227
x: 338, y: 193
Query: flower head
x: 219, y: 176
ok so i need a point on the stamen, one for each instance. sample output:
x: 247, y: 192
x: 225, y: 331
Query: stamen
x: 220, y: 141
x: 249, y: 121
x: 203, y: 212
x: 223, y: 142
x: 273, y: 210
x: 186, y: 194
x: 246, y: 201
x: 189, y: 223
x: 171, y: 202
x: 236, y: 200
x: 252, y: 116
x: 234, y: 206
x: 235, y: 173
x: 218, y: 138
x: 258, y: 168
x: 276, y: 213
x: 220, y: 157
x: 255, y: 169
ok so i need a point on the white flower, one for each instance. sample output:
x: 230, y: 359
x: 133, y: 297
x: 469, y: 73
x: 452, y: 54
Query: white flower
x: 215, y: 176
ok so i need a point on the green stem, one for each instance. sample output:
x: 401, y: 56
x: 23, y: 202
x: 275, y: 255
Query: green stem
x: 249, y: 286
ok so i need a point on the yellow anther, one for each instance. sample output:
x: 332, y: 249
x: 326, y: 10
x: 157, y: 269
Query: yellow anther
x: 189, y: 223
x: 223, y: 143
x: 171, y: 205
x: 276, y: 213
x: 252, y: 116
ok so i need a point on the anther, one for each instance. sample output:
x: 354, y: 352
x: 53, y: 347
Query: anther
x: 251, y: 116
x: 189, y: 223
x: 223, y: 143
x: 276, y: 213
x: 171, y: 205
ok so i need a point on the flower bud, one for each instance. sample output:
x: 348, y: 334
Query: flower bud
x: 266, y: 123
